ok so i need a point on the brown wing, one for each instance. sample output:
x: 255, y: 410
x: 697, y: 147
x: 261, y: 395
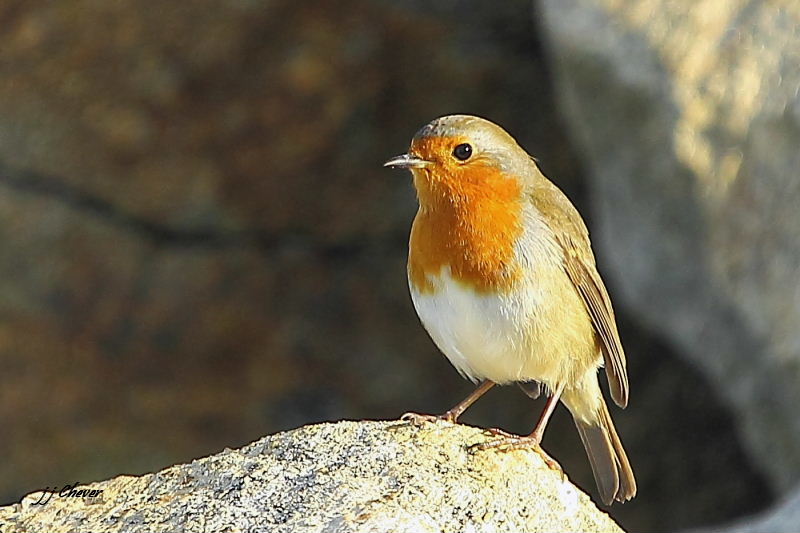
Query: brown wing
x: 573, y: 237
x: 594, y: 295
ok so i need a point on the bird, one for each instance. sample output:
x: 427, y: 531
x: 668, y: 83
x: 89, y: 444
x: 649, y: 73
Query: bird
x: 503, y: 278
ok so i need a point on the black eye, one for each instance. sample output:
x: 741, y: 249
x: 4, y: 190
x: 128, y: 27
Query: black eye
x: 462, y: 151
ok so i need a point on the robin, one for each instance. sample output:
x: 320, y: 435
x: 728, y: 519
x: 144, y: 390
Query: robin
x: 502, y: 276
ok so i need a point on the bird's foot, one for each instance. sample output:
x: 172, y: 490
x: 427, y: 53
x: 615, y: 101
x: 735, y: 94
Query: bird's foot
x: 497, y: 432
x: 416, y: 419
x: 509, y: 442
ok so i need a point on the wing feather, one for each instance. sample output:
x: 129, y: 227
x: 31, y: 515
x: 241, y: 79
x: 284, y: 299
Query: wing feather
x: 578, y: 260
x: 595, y: 296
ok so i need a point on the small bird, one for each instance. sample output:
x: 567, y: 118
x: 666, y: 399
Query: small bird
x: 502, y: 276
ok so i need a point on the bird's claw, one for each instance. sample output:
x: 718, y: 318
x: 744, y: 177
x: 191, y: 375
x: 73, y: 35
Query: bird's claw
x: 497, y: 432
x: 417, y: 419
x: 509, y: 442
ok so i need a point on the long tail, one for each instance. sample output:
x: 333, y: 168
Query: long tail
x: 610, y: 465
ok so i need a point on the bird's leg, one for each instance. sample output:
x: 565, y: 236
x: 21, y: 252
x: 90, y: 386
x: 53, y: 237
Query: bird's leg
x: 532, y: 389
x: 453, y: 414
x: 508, y: 442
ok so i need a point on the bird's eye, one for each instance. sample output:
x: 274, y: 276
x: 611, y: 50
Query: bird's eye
x: 462, y: 152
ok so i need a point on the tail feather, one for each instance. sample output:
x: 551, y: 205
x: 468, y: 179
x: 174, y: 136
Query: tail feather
x: 610, y: 466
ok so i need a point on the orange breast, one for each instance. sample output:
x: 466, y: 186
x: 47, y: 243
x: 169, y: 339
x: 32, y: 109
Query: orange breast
x: 470, y: 219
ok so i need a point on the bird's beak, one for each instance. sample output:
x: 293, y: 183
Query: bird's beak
x: 406, y: 161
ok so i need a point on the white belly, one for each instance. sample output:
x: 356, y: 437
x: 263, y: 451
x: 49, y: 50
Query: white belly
x: 484, y: 336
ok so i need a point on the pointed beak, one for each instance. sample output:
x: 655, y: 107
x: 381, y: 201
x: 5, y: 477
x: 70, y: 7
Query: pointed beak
x: 406, y: 161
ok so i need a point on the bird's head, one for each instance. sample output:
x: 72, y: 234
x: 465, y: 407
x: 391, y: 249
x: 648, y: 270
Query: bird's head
x: 457, y: 158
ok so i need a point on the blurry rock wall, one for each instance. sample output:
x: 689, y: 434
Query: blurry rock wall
x: 687, y: 114
x: 198, y: 244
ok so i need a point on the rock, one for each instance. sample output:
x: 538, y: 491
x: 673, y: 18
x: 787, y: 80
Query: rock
x: 783, y: 518
x: 688, y: 117
x: 345, y: 476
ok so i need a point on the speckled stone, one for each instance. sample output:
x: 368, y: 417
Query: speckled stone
x: 339, y: 477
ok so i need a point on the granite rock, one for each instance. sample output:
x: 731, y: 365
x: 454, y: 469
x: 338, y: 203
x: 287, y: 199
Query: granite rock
x: 342, y: 477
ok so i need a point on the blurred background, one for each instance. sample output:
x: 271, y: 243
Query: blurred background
x: 199, y: 246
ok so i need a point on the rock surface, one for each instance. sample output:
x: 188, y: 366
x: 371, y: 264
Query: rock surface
x: 347, y: 476
x: 689, y: 119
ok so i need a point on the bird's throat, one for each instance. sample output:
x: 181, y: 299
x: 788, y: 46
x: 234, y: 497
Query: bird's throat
x: 473, y: 234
